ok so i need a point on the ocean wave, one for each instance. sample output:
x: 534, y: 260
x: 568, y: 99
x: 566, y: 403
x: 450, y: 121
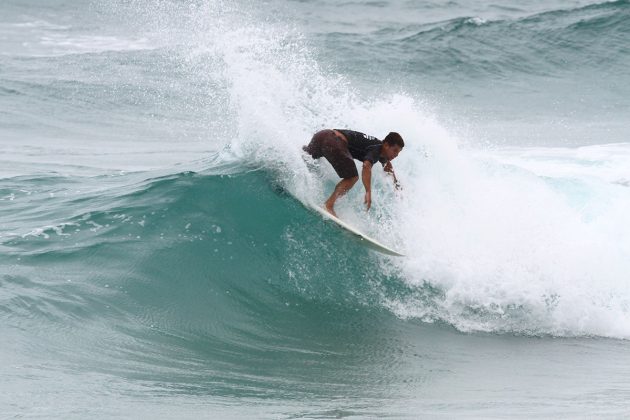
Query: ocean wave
x: 542, y: 44
x: 200, y: 229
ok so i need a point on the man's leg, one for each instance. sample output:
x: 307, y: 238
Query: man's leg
x: 342, y: 187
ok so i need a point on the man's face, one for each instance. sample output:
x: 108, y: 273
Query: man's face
x: 391, y: 151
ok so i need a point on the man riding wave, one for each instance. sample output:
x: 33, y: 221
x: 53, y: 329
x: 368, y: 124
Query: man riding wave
x: 341, y: 147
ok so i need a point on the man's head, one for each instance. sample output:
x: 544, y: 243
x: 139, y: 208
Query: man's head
x: 392, y: 145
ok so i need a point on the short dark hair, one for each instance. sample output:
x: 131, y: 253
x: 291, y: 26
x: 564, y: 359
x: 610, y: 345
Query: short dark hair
x: 394, y: 139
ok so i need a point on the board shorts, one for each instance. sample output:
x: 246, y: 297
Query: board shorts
x: 326, y: 143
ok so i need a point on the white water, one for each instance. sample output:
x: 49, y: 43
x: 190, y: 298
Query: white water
x: 519, y: 240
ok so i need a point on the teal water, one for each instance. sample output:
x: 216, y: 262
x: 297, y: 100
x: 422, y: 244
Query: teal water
x: 157, y: 259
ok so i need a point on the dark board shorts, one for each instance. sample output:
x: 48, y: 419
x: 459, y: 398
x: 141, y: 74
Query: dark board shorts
x: 326, y: 143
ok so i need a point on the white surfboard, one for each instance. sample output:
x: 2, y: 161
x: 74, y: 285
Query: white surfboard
x: 366, y: 240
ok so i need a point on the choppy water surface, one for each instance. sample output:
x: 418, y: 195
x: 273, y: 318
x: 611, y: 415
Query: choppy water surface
x: 156, y: 258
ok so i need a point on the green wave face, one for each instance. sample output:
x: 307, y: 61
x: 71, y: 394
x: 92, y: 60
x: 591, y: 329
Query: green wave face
x: 209, y: 283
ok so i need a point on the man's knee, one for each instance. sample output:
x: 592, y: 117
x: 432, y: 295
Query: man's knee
x: 352, y: 180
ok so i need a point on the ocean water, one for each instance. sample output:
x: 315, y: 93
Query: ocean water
x: 157, y: 259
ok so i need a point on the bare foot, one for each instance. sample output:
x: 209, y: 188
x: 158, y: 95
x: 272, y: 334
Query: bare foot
x: 331, y: 210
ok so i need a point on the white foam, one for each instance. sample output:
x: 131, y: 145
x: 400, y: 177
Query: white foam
x: 39, y: 23
x: 507, y: 248
x: 59, y: 44
x: 512, y: 250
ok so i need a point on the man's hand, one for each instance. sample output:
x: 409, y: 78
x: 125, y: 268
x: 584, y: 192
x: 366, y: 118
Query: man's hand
x: 368, y: 199
x: 390, y: 169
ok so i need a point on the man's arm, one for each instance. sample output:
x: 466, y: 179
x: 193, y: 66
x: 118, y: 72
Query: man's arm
x: 366, y: 177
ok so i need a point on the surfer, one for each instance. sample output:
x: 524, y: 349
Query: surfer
x: 340, y: 147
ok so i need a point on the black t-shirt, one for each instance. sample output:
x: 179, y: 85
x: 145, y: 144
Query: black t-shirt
x: 363, y: 147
